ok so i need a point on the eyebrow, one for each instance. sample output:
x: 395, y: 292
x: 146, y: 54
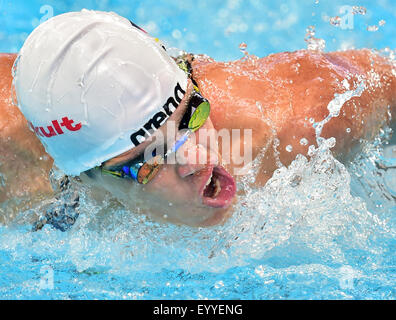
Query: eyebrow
x: 125, y: 157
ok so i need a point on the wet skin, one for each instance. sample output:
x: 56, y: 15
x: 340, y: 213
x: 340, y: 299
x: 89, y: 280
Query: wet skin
x: 275, y: 96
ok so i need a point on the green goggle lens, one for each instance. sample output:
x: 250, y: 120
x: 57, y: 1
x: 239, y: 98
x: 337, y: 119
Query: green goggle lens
x: 199, y: 117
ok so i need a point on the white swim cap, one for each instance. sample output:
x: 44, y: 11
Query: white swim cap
x: 93, y: 86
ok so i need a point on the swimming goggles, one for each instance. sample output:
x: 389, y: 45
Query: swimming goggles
x: 143, y: 171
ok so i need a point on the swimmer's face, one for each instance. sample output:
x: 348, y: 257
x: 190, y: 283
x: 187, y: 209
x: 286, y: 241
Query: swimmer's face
x: 191, y: 192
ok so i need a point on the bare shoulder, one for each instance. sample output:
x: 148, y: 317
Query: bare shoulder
x: 281, y: 82
x: 7, y: 112
x: 24, y: 165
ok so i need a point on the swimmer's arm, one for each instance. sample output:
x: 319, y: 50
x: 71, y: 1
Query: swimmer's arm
x: 360, y: 117
x: 280, y: 96
x: 24, y: 165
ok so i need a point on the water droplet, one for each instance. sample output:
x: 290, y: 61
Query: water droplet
x: 359, y: 10
x: 289, y: 148
x: 243, y: 47
x: 345, y: 83
x: 260, y: 271
x: 296, y: 180
x: 335, y: 21
x: 311, y: 150
x: 372, y: 28
x: 348, y: 130
x: 310, y: 31
x: 331, y: 142
x: 303, y: 141
x: 259, y: 106
x: 176, y: 34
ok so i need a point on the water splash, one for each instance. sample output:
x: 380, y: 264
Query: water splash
x: 305, y: 222
x: 306, y: 218
x: 335, y: 106
x: 314, y: 44
x: 310, y: 196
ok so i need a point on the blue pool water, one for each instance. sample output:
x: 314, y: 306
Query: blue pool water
x: 330, y: 237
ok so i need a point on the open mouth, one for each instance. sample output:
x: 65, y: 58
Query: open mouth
x: 219, y: 189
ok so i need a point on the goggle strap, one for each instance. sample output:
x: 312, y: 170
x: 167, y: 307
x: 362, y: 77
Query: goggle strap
x: 178, y: 143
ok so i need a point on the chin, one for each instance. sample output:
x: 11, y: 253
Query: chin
x: 199, y: 217
x: 219, y: 217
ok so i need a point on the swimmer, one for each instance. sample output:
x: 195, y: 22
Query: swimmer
x: 95, y: 92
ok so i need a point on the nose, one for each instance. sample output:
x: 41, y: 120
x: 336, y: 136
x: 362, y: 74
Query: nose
x: 198, y: 152
x: 196, y: 158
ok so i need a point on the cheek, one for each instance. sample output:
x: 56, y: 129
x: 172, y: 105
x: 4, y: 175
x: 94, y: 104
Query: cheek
x: 168, y: 185
x: 120, y: 189
x: 137, y: 198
